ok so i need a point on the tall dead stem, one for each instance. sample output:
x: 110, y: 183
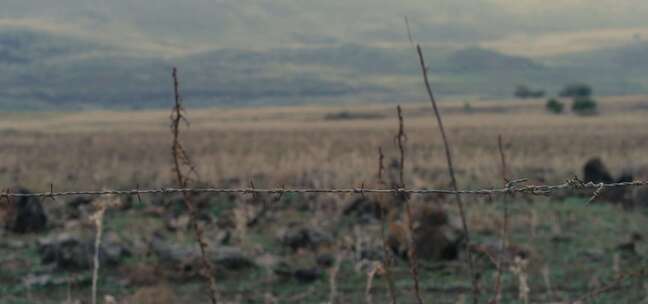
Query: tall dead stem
x: 400, y: 138
x: 386, y: 262
x: 453, y: 179
x: 180, y: 159
x: 505, y: 230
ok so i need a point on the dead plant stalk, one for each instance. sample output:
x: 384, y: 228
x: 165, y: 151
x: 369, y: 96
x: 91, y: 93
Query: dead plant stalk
x: 97, y: 218
x: 401, y: 137
x: 386, y: 260
x: 180, y: 156
x: 505, y: 229
x: 453, y: 179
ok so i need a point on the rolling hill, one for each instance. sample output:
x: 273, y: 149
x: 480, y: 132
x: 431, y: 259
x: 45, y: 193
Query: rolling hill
x: 51, y: 71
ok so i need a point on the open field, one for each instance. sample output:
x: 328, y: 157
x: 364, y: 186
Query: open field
x: 287, y: 145
x: 572, y: 246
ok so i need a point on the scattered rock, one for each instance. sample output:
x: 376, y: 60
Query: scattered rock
x: 78, y: 207
x: 23, y: 214
x: 47, y: 280
x: 630, y: 247
x: 187, y: 257
x: 302, y: 237
x: 308, y: 275
x: 436, y: 235
x: 364, y: 209
x: 595, y: 171
x: 13, y: 244
x: 232, y: 258
x: 325, y: 260
x: 66, y: 251
x: 304, y: 275
x: 640, y: 197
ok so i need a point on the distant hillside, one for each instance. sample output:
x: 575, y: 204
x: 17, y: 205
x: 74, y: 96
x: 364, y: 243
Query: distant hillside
x: 477, y: 59
x: 20, y: 46
x: 45, y: 71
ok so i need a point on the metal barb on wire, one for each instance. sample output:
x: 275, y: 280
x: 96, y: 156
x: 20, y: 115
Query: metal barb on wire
x: 139, y: 197
x: 515, y: 184
x: 596, y: 194
x: 52, y: 197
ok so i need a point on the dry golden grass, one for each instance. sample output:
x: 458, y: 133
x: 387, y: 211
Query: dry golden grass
x: 297, y: 146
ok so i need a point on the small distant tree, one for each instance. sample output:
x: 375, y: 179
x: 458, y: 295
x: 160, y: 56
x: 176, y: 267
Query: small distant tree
x: 555, y: 106
x: 467, y: 107
x: 584, y: 106
x: 576, y: 90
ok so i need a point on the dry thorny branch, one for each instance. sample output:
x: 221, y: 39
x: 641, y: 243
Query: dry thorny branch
x: 453, y: 179
x: 386, y: 258
x: 400, y: 138
x: 180, y: 160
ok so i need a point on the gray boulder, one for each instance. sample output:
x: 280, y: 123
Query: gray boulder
x: 24, y: 214
x: 303, y: 237
x: 188, y: 257
x: 69, y: 252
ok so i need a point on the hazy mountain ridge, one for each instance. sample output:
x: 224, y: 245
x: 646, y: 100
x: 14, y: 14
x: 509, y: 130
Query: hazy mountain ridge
x: 21, y: 46
x: 49, y: 71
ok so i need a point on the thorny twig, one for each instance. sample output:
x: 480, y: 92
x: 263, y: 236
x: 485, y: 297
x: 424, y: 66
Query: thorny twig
x: 453, y: 179
x: 180, y: 155
x: 386, y: 259
x: 400, y: 138
x: 381, y: 166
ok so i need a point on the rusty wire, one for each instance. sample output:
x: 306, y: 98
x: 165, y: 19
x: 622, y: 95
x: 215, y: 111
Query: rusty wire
x: 540, y: 190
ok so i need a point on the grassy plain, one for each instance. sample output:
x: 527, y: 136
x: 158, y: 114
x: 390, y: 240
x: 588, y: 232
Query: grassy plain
x: 319, y: 146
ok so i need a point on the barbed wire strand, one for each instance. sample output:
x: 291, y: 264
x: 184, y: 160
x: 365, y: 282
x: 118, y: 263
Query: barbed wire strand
x: 540, y: 190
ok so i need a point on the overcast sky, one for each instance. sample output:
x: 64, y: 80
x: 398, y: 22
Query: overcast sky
x: 173, y: 26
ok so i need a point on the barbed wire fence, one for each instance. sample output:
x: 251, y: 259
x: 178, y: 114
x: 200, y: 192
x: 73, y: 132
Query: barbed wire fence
x: 183, y: 166
x: 515, y: 186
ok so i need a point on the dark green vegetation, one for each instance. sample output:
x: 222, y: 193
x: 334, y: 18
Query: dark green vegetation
x: 572, y: 246
x: 555, y: 106
x: 584, y: 106
x: 53, y: 71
